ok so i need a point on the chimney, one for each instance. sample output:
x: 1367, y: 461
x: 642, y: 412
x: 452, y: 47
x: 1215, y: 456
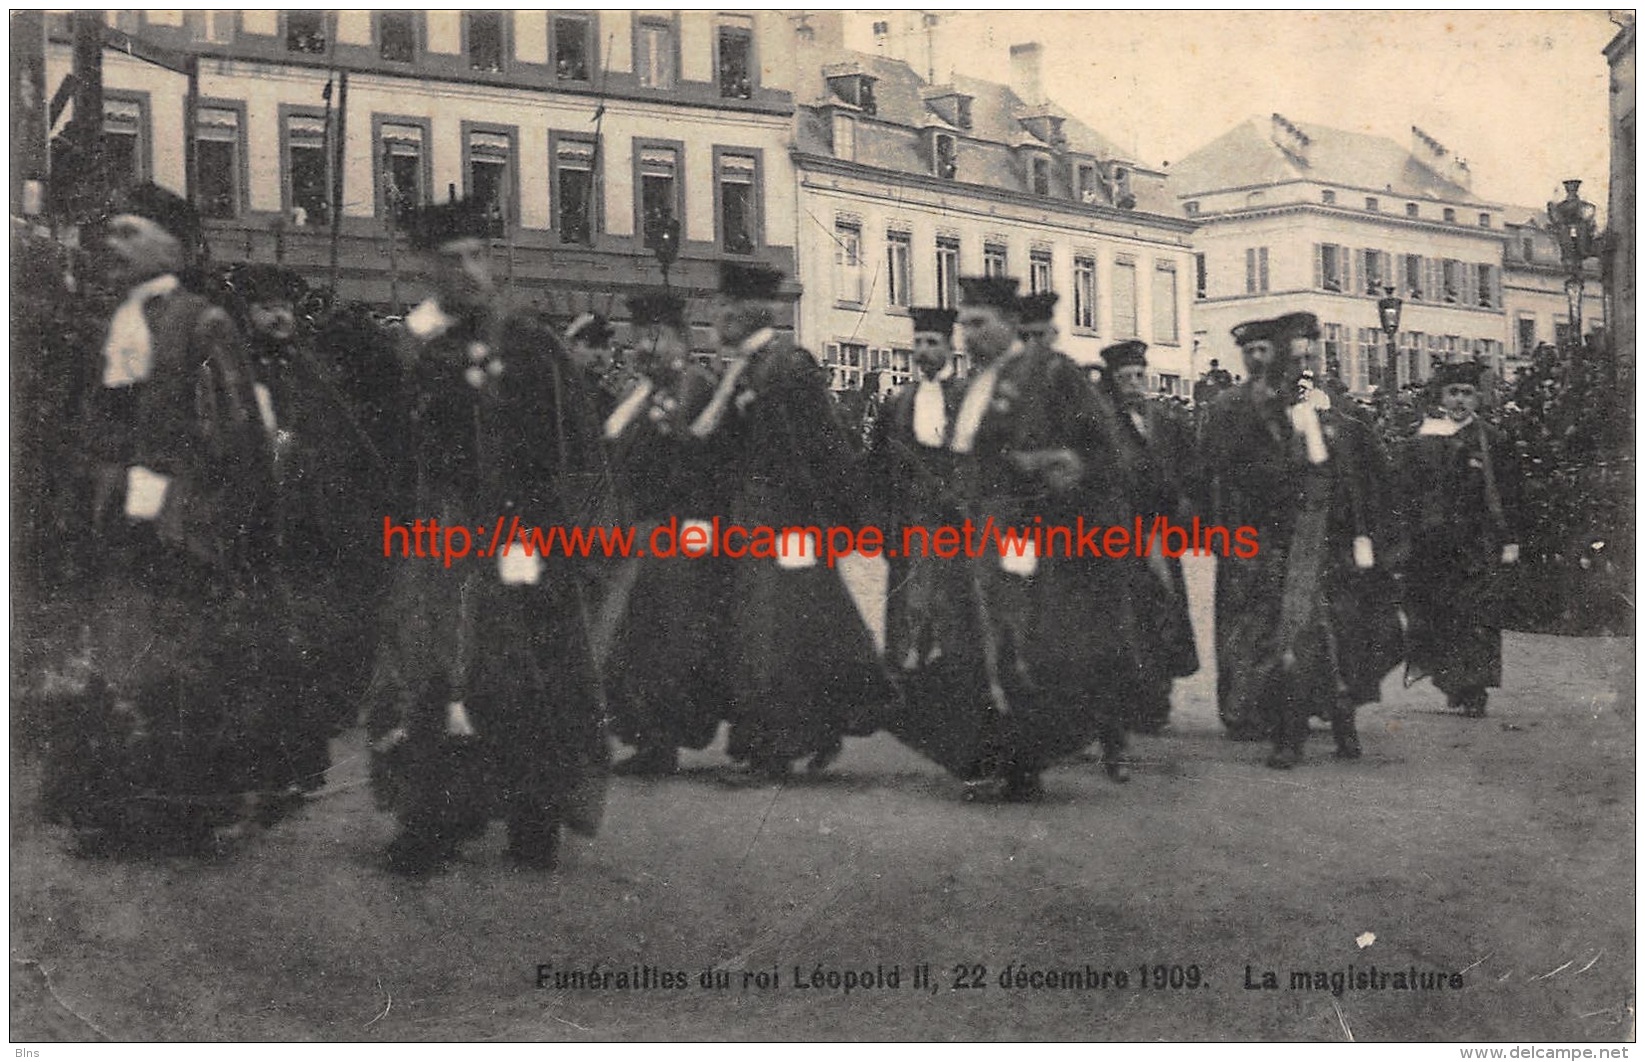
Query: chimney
x: 882, y: 30
x: 1289, y: 138
x: 1439, y: 158
x: 1025, y: 73
x: 819, y: 39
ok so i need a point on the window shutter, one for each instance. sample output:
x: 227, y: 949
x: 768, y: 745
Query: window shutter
x: 1359, y: 271
x: 1496, y: 288
x: 1262, y: 269
x: 1250, y: 270
x: 1319, y: 267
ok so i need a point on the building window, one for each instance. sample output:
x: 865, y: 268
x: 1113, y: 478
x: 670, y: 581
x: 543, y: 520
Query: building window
x: 308, y: 170
x: 736, y: 62
x: 217, y: 158
x: 1328, y: 197
x: 1367, y: 368
x: 306, y: 32
x: 899, y: 268
x: 948, y: 271
x: 575, y: 190
x: 571, y: 46
x: 1525, y: 333
x: 1200, y: 277
x: 1165, y: 303
x: 857, y: 90
x: 490, y: 157
x: 1450, y: 284
x: 402, y: 175
x: 485, y: 40
x: 995, y: 260
x: 396, y: 36
x: 1413, y: 276
x: 848, y: 271
x: 1041, y: 175
x: 1485, y: 279
x: 1412, y: 211
x: 944, y: 157
x: 1333, y: 267
x: 1085, y: 181
x: 125, y: 130
x: 659, y: 190
x: 739, y: 203
x: 1376, y: 267
x: 1085, y: 293
x: 1371, y: 204
x: 1450, y: 215
x: 1485, y: 221
x: 1125, y: 299
x: 1332, y: 349
x: 1039, y: 272
x: 654, y: 52
x: 1191, y: 208
x: 1256, y: 270
x: 1563, y: 335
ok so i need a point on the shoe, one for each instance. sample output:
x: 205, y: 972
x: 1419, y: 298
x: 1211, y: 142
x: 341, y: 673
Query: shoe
x: 1115, y: 767
x: 414, y: 856
x: 1283, y: 759
x: 1473, y: 703
x: 1348, y: 747
x: 825, y: 756
x: 649, y: 763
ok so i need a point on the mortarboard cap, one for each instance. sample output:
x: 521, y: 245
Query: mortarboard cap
x: 934, y: 319
x: 1458, y: 372
x: 740, y: 280
x: 1130, y: 352
x: 657, y: 308
x: 1296, y: 326
x: 998, y: 292
x: 438, y: 223
x: 167, y: 209
x: 1036, y: 308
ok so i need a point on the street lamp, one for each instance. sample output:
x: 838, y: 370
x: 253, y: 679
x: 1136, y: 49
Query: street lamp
x: 1388, y: 308
x: 1572, y: 220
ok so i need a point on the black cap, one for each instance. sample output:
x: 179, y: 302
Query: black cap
x: 934, y: 319
x: 266, y: 282
x: 438, y: 223
x: 759, y: 283
x: 1289, y: 326
x: 1458, y: 372
x: 1036, y: 308
x: 998, y: 292
x: 1130, y: 352
x: 589, y: 328
x: 165, y: 208
x: 657, y: 308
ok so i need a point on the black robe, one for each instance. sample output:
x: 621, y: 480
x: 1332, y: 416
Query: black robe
x: 1300, y: 628
x: 500, y: 430
x: 1459, y: 498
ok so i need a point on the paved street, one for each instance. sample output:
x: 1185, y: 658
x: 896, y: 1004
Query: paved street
x: 1499, y: 849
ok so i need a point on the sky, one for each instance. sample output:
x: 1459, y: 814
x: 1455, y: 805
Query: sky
x: 1522, y: 95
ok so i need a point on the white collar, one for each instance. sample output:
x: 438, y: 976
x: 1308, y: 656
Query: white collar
x: 428, y: 320
x: 1442, y: 427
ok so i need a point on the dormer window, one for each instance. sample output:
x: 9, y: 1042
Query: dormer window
x: 962, y: 111
x: 1039, y: 170
x: 1450, y: 215
x: 1191, y: 207
x: 855, y: 89
x: 951, y: 106
x: 944, y: 156
x: 1085, y: 182
x: 1328, y: 197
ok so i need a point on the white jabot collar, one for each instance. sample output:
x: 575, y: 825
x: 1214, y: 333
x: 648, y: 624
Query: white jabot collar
x: 428, y: 320
x: 128, y: 354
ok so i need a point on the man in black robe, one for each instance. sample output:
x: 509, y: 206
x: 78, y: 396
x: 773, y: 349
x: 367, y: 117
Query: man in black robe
x: 184, y: 720
x: 1305, y: 620
x: 1460, y: 500
x: 807, y: 673
x: 1030, y: 442
x: 912, y: 475
x: 671, y: 676
x: 1155, y: 445
x: 495, y: 707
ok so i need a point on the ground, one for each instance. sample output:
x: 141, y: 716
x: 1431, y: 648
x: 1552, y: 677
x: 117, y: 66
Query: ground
x: 1501, y: 850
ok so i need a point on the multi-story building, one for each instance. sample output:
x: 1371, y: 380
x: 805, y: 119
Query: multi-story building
x: 1295, y: 218
x: 586, y: 131
x: 903, y: 186
x: 1533, y: 287
x: 1620, y: 260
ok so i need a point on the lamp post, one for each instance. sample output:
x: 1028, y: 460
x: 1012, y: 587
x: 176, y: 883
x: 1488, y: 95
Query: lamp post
x: 1572, y: 220
x: 1388, y: 309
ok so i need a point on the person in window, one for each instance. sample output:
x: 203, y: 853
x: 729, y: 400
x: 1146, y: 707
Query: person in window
x: 1460, y: 501
x: 807, y: 672
x: 488, y: 704
x: 672, y: 676
x: 1155, y: 444
x: 1305, y: 618
x: 182, y: 723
